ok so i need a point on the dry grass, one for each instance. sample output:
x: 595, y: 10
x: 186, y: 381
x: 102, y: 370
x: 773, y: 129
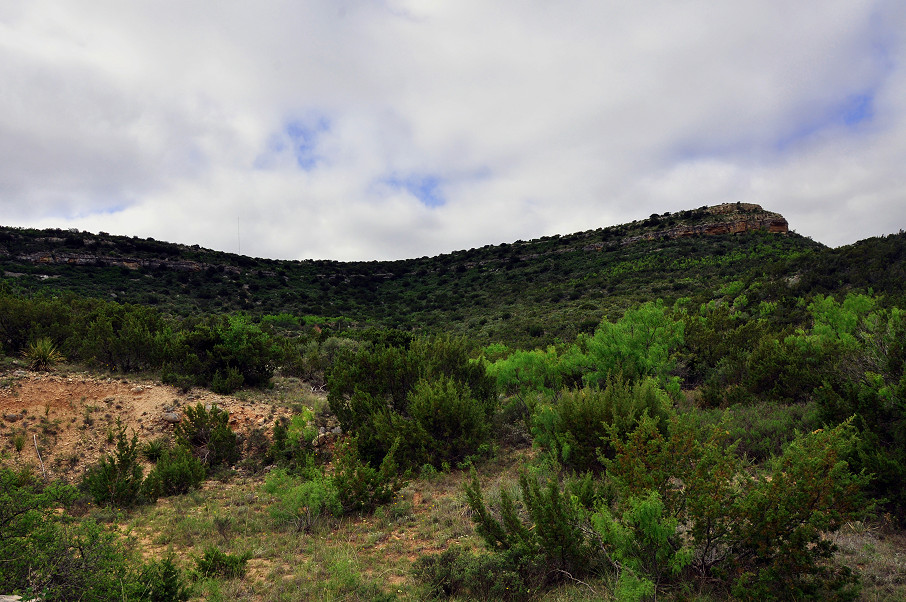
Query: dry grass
x: 879, y: 554
x: 352, y: 558
x: 370, y: 557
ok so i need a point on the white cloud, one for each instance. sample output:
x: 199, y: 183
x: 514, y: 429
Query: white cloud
x: 174, y: 119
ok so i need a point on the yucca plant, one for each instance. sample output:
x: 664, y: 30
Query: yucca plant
x: 42, y: 354
x: 154, y: 449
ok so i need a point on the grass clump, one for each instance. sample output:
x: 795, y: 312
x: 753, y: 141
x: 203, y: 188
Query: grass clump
x: 217, y: 563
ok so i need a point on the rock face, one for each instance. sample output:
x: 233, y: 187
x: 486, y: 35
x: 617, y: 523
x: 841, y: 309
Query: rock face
x: 132, y: 263
x: 729, y: 218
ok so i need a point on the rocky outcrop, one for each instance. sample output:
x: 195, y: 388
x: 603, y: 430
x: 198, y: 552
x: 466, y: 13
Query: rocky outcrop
x: 734, y: 224
x: 132, y: 263
x: 729, y: 218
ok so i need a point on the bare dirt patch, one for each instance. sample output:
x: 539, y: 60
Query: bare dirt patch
x: 73, y: 417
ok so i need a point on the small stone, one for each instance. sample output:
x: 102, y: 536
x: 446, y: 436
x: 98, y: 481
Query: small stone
x: 171, y: 417
x: 12, y: 417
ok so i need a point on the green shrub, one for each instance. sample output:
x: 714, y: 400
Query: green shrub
x: 177, y: 472
x: 216, y: 563
x: 644, y: 544
x: 868, y: 381
x: 162, y: 581
x: 367, y: 383
x: 223, y: 351
x: 124, y: 337
x: 280, y: 451
x: 49, y: 554
x: 764, y: 537
x: 360, y: 487
x: 445, y: 424
x: 576, y: 429
x: 117, y: 479
x: 785, y: 371
x: 292, y: 440
x: 761, y: 430
x: 525, y: 372
x: 880, y: 417
x: 28, y: 511
x: 639, y: 344
x: 542, y: 544
x: 208, y: 435
x: 227, y: 383
x: 678, y: 505
x: 466, y: 574
x: 183, y: 382
x: 778, y: 535
x: 302, y: 501
x: 444, y: 574
x: 371, y: 389
x: 256, y: 448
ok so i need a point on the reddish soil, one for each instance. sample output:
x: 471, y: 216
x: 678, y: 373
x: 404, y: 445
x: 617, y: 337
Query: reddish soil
x: 73, y: 417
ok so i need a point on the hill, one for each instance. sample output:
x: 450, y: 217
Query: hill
x: 525, y: 292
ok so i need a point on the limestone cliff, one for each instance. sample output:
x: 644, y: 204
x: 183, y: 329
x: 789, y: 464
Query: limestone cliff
x: 728, y: 218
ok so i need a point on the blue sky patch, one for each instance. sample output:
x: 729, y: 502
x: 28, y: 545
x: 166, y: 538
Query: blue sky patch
x: 86, y: 213
x: 304, y: 140
x: 858, y: 108
x: 299, y: 137
x: 425, y: 187
x: 850, y: 112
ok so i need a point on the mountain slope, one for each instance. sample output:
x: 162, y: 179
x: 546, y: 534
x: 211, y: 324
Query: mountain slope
x: 526, y: 292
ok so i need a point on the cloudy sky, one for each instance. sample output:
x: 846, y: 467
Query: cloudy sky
x: 384, y: 129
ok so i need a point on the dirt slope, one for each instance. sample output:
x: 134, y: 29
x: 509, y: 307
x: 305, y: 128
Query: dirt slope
x: 73, y: 416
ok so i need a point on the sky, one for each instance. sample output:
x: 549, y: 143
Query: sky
x: 391, y: 129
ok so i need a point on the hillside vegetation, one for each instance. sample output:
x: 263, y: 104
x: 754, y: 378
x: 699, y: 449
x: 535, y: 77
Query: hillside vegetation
x: 699, y: 405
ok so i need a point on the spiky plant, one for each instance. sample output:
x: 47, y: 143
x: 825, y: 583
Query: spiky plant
x: 154, y: 449
x: 42, y: 354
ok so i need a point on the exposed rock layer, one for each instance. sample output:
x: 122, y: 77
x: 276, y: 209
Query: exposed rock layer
x: 731, y: 218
